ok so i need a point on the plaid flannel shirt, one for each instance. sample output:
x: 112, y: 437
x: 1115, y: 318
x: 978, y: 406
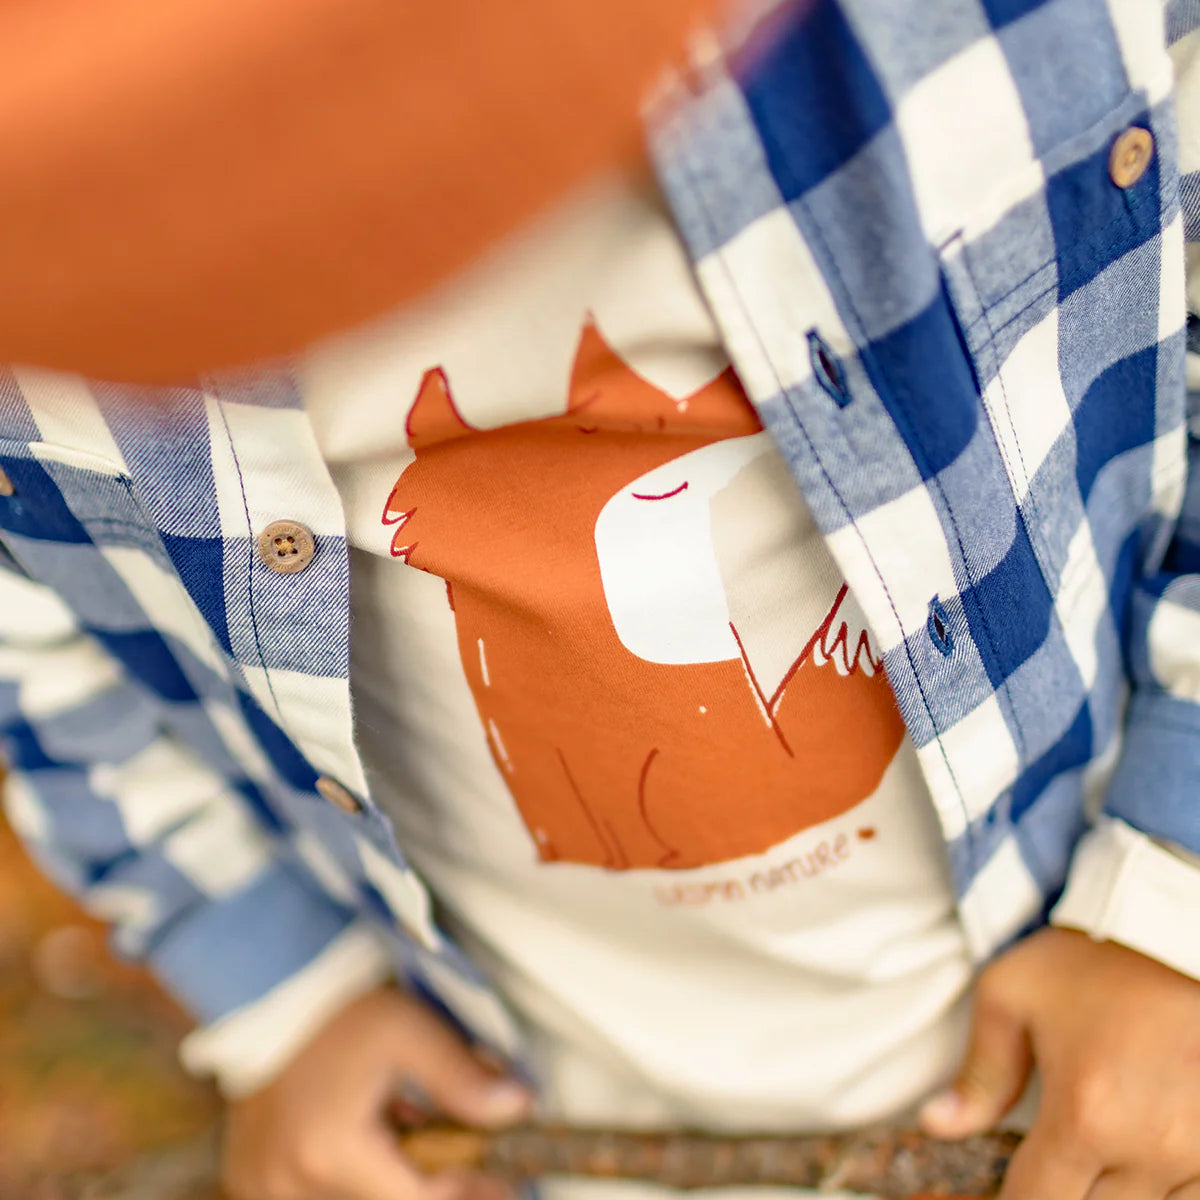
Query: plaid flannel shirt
x: 969, y: 343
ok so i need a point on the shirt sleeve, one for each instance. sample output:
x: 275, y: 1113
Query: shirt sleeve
x: 173, y: 855
x: 1135, y: 878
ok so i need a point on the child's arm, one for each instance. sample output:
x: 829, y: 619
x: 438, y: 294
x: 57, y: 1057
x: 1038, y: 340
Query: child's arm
x: 188, y: 184
x: 164, y: 848
x: 1136, y: 878
x: 1112, y: 1020
x: 285, y: 982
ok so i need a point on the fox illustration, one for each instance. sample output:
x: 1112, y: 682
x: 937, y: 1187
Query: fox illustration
x: 624, y: 748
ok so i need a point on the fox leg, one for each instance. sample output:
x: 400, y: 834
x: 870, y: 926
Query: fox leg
x: 614, y: 856
x: 624, y: 831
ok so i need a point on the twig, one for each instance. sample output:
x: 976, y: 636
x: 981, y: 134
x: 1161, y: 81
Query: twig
x: 889, y: 1163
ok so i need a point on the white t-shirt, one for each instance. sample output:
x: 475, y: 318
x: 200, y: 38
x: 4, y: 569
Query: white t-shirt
x: 613, y: 691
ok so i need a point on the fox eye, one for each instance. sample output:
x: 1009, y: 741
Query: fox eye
x: 587, y: 428
x: 662, y: 495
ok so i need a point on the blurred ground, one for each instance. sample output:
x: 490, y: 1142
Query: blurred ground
x: 88, y: 1076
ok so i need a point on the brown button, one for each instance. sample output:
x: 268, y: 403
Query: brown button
x: 335, y: 793
x: 6, y: 484
x: 286, y: 547
x: 1130, y: 156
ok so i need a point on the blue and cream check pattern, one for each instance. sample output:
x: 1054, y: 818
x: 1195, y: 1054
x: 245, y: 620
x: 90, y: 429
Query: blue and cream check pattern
x: 970, y: 346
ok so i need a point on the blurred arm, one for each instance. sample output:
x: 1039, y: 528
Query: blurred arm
x: 196, y: 183
x: 169, y: 852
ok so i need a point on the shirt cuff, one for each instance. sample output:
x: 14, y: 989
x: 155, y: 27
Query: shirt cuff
x: 1154, y: 785
x: 1125, y: 887
x: 247, y: 1048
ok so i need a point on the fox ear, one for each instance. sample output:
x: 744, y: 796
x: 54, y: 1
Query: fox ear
x: 596, y: 363
x: 433, y: 417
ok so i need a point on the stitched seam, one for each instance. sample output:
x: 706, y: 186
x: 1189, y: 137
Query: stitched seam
x: 1097, y: 236
x: 1012, y: 291
x: 1038, y: 521
x: 987, y: 627
x: 1030, y: 849
x: 719, y: 255
x: 998, y: 329
x: 116, y: 523
x: 935, y: 482
x: 995, y: 364
x: 250, y: 569
x: 920, y: 686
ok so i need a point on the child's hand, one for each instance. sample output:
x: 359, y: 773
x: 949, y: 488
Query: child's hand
x: 1115, y: 1037
x: 318, y: 1132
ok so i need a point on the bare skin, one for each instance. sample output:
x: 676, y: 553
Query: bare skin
x: 318, y: 1131
x: 1115, y: 1038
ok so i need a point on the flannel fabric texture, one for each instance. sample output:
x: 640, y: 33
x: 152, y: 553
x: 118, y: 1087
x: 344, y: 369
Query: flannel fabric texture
x: 971, y: 346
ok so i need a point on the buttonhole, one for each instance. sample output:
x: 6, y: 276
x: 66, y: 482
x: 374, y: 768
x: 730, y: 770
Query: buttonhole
x: 827, y: 368
x: 939, y: 627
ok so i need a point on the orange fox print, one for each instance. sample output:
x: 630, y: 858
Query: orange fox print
x: 625, y: 746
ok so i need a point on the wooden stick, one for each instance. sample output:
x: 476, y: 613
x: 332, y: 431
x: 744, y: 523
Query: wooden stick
x: 888, y: 1163
x: 893, y: 1164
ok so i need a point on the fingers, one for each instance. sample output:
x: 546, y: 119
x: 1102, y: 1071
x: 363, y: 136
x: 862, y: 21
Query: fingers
x: 318, y: 1130
x: 993, y: 1075
x: 454, y: 1079
x: 1127, y: 1185
x: 374, y: 1171
x: 1042, y: 1169
x: 365, y: 1167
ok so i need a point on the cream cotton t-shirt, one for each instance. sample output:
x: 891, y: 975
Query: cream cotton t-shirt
x: 613, y: 691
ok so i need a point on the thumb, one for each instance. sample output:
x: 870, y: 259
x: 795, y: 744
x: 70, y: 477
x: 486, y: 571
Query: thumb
x: 459, y: 1084
x: 990, y: 1081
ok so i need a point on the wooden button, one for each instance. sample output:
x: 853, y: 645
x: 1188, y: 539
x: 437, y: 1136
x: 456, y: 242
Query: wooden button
x: 1130, y: 156
x: 286, y: 547
x: 335, y: 793
x: 6, y: 484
